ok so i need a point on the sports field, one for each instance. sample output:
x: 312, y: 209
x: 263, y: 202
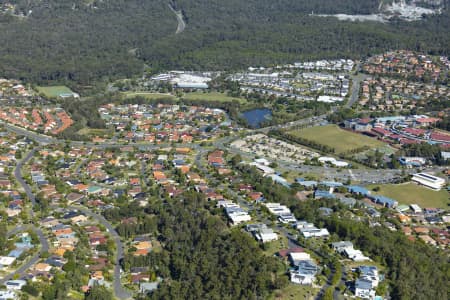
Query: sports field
x: 54, y: 91
x: 150, y: 96
x: 411, y: 193
x: 213, y: 96
x: 337, y: 138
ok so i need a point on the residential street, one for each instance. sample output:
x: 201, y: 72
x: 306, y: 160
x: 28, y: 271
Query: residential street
x: 21, y: 271
x: 42, y: 239
x: 18, y: 176
x: 119, y: 290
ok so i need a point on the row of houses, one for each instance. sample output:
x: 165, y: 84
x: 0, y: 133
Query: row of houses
x: 64, y: 237
x: 163, y: 122
x: 403, y: 130
x: 56, y: 119
x: 406, y: 64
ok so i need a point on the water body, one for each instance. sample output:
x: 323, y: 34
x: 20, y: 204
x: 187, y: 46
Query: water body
x: 257, y: 116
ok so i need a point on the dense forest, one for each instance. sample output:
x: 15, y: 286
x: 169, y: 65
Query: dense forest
x: 69, y: 41
x: 203, y: 258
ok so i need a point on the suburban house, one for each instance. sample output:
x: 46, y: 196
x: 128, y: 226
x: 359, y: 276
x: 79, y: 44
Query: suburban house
x: 305, y: 273
x: 262, y: 233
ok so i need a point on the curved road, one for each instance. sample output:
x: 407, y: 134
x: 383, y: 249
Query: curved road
x: 19, y: 178
x: 34, y: 259
x: 356, y: 84
x: 119, y: 290
x: 42, y: 239
x: 181, y: 24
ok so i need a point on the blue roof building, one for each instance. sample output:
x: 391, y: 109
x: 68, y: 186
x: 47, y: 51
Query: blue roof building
x: 308, y: 183
x: 358, y: 190
x: 319, y: 194
x: 280, y: 180
x: 368, y: 270
x: 16, y: 252
x: 385, y: 201
x: 332, y: 184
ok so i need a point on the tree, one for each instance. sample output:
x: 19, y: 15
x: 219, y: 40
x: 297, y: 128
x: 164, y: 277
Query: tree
x: 236, y: 159
x: 328, y: 293
x: 98, y: 292
x: 70, y: 266
x: 30, y: 289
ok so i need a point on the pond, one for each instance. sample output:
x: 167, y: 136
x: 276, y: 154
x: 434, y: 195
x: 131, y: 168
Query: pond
x: 257, y: 116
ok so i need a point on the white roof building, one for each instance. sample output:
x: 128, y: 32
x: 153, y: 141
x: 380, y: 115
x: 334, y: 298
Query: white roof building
x: 296, y: 257
x: 314, y: 232
x: 278, y: 209
x: 428, y: 180
x: 330, y: 99
x: 6, y: 260
x: 333, y: 161
x: 416, y: 208
x: 355, y: 255
x: 4, y: 295
x: 15, y: 284
x: 262, y: 161
x: 266, y: 235
x: 305, y: 273
x: 234, y: 212
x: 265, y: 169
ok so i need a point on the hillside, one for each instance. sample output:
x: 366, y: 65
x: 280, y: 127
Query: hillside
x: 84, y: 41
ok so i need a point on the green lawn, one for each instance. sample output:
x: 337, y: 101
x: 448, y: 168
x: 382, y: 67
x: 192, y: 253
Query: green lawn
x: 150, y: 96
x: 337, y: 138
x: 411, y: 193
x: 54, y: 91
x: 294, y: 292
x: 213, y: 96
x: 275, y: 246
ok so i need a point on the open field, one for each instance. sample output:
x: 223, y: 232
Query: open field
x: 148, y: 95
x: 339, y: 139
x: 95, y: 132
x: 295, y: 291
x: 53, y: 91
x: 411, y: 193
x: 213, y: 96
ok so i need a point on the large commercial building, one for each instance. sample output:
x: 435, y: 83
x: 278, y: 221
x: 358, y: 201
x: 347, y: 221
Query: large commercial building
x: 431, y: 181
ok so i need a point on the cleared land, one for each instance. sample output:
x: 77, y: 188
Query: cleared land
x: 295, y: 291
x: 95, y: 132
x: 339, y: 139
x: 213, y: 96
x: 54, y: 91
x: 411, y: 193
x: 148, y: 95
